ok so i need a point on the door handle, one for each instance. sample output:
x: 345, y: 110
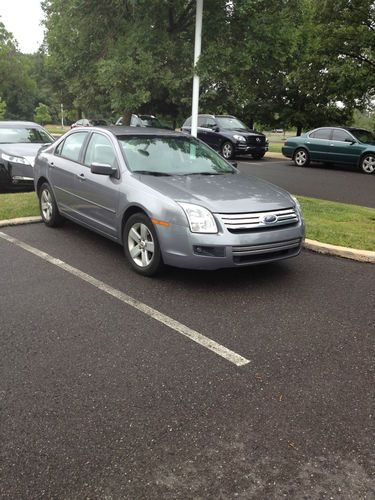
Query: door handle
x: 81, y: 177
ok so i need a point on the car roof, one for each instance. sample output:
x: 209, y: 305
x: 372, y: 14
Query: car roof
x: 16, y: 123
x: 119, y: 130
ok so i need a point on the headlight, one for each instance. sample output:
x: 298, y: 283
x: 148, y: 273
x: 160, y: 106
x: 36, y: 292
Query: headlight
x: 14, y: 159
x: 200, y: 219
x: 239, y: 138
x: 296, y: 203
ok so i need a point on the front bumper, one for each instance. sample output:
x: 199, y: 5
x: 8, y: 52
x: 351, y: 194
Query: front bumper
x: 15, y: 174
x: 182, y: 248
x: 245, y: 149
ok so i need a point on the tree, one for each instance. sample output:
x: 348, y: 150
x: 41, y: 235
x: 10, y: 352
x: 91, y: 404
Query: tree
x: 42, y: 114
x: 16, y: 87
x: 3, y: 108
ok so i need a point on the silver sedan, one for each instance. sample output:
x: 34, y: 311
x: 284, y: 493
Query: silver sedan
x: 167, y: 198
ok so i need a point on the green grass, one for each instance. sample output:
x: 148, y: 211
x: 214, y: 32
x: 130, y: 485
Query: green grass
x: 339, y: 224
x: 274, y: 148
x: 14, y: 205
x: 326, y: 221
x: 56, y: 129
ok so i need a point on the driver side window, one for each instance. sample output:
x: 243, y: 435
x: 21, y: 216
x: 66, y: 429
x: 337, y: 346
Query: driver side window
x: 100, y: 150
x: 210, y: 123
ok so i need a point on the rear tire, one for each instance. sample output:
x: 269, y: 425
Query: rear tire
x: 48, y: 207
x: 141, y: 245
x: 301, y: 158
x: 368, y: 164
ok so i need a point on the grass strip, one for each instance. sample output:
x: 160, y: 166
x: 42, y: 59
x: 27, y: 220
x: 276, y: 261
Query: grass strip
x: 339, y: 224
x: 326, y: 221
x: 14, y: 205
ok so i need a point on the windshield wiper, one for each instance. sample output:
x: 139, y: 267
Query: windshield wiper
x: 205, y: 173
x: 150, y: 172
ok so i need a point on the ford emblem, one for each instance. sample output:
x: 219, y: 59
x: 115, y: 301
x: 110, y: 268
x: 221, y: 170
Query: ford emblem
x: 270, y: 219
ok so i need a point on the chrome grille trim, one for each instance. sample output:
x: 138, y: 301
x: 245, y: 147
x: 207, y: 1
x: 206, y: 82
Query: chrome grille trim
x: 254, y: 220
x: 240, y: 251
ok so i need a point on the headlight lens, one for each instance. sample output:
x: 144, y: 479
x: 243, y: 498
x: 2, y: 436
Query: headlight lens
x: 239, y: 138
x: 14, y: 159
x: 200, y: 219
x: 296, y: 203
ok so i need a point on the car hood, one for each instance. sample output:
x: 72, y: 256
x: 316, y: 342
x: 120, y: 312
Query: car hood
x: 228, y: 193
x: 27, y: 150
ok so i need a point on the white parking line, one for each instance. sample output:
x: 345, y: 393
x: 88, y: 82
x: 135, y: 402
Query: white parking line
x: 149, y: 311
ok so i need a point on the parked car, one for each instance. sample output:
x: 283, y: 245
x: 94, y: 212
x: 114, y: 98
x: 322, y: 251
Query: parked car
x: 19, y: 144
x: 143, y: 121
x: 167, y: 198
x: 229, y: 136
x: 84, y: 122
x: 343, y: 145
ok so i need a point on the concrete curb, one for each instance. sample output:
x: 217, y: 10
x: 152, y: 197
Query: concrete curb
x: 346, y: 253
x: 315, y: 246
x: 19, y: 221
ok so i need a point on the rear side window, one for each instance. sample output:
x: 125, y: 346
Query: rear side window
x: 99, y: 150
x: 72, y: 146
x: 202, y: 121
x: 340, y: 135
x: 322, y: 133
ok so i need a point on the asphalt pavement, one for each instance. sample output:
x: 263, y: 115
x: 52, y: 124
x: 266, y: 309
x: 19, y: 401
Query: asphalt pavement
x: 100, y: 400
x: 339, y: 183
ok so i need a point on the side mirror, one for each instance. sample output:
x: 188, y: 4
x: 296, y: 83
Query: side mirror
x: 103, y: 169
x: 216, y: 128
x: 350, y: 141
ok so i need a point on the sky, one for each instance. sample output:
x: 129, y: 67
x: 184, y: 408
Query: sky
x: 22, y: 18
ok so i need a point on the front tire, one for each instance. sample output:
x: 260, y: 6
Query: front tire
x: 258, y: 156
x: 141, y: 245
x: 227, y: 150
x: 368, y: 163
x: 301, y: 158
x: 48, y: 207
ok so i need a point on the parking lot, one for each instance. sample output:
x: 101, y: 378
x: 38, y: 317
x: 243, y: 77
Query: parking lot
x: 111, y: 386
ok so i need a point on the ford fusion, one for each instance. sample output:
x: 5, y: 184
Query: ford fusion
x: 19, y: 144
x: 167, y: 198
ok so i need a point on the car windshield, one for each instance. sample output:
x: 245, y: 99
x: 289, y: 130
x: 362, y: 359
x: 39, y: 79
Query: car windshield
x: 147, y: 121
x: 230, y: 123
x: 172, y: 156
x: 19, y: 135
x: 363, y: 135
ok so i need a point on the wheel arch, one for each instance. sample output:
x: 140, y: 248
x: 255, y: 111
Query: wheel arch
x: 133, y: 209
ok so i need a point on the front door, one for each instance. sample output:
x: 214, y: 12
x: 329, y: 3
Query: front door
x: 345, y: 148
x: 98, y: 194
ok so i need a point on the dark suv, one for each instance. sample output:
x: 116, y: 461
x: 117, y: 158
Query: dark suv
x: 229, y: 135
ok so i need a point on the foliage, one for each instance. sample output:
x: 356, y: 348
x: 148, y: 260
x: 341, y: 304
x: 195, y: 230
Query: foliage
x: 42, y: 114
x: 3, y: 107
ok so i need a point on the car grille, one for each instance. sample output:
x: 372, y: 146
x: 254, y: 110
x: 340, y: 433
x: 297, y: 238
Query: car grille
x: 267, y: 251
x: 256, y: 140
x: 256, y: 220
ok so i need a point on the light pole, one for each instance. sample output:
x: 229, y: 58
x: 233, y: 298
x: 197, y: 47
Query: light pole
x: 197, y: 53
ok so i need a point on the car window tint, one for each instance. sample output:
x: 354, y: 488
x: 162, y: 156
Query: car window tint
x: 201, y: 121
x: 210, y: 122
x: 340, y: 135
x: 72, y: 146
x: 99, y: 150
x: 322, y: 133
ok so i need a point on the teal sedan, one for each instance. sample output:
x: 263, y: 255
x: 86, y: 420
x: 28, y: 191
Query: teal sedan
x: 350, y: 146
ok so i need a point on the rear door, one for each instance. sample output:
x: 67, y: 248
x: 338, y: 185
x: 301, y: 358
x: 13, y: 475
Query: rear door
x: 212, y: 138
x: 63, y: 167
x: 98, y: 194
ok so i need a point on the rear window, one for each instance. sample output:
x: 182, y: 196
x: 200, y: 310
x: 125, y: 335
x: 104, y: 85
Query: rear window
x: 322, y: 133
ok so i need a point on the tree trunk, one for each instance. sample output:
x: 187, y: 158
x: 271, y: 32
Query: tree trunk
x: 126, y: 117
x: 299, y: 130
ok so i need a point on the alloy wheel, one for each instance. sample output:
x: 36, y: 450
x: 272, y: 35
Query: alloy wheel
x: 46, y: 205
x: 368, y: 164
x: 227, y: 150
x: 141, y: 244
x: 300, y: 158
